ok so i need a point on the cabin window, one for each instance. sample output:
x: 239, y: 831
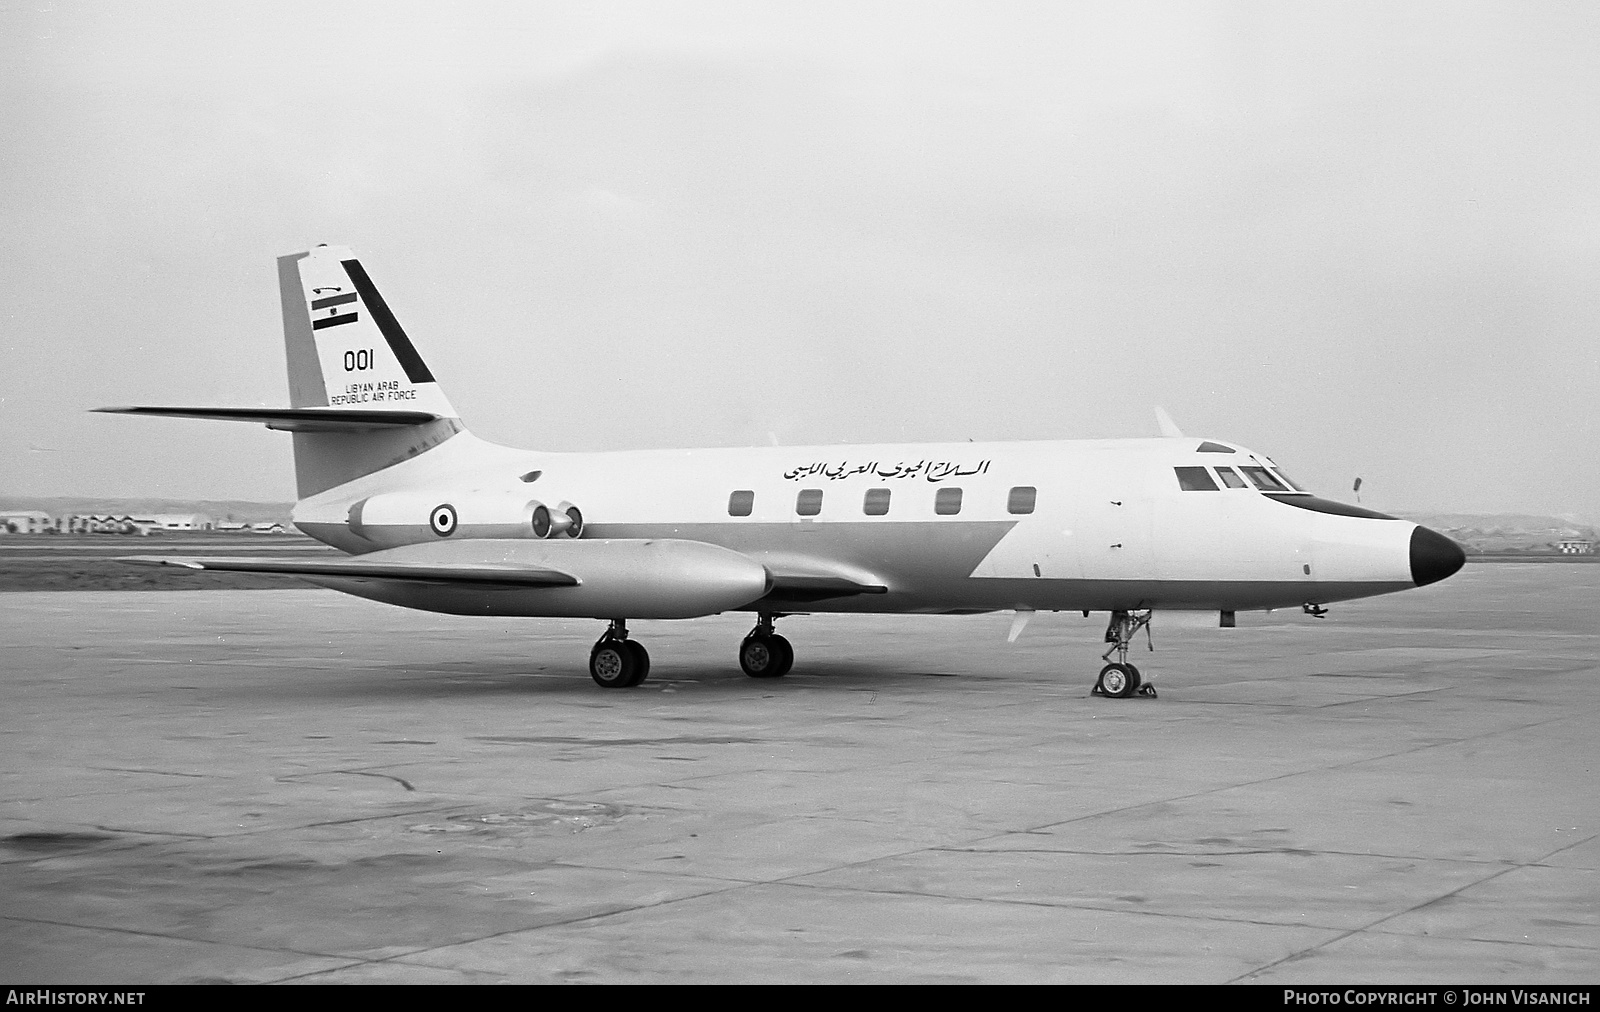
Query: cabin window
x: 740, y: 503
x: 876, y: 503
x: 1263, y: 479
x: 947, y: 501
x: 1195, y: 479
x: 1021, y: 499
x: 1230, y: 477
x: 809, y: 502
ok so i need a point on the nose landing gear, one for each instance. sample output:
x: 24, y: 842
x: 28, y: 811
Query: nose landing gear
x: 765, y: 654
x: 616, y: 662
x: 1119, y: 679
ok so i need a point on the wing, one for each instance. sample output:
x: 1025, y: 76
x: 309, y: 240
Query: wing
x: 787, y: 586
x: 565, y: 578
x: 416, y: 572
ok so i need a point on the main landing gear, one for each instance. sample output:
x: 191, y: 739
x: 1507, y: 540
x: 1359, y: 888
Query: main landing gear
x: 616, y: 662
x: 1119, y: 679
x: 765, y: 654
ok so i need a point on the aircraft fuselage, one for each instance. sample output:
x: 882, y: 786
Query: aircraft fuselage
x: 933, y: 528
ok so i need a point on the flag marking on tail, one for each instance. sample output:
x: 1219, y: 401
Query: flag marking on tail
x: 332, y: 303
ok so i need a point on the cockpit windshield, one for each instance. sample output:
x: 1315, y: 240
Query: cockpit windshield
x: 1284, y: 477
x: 1263, y: 479
x: 1229, y: 478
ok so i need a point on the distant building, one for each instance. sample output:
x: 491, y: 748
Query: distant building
x: 103, y: 523
x: 1574, y: 546
x: 267, y: 527
x: 26, y: 522
x: 179, y: 522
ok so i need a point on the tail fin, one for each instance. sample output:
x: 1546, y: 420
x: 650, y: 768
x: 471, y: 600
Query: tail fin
x: 362, y: 398
x: 347, y: 352
x: 345, y: 347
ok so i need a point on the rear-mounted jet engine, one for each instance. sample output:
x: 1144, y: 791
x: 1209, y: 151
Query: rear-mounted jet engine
x: 407, y: 518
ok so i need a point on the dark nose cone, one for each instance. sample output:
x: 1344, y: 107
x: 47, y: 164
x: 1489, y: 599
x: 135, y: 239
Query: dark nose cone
x: 1433, y: 556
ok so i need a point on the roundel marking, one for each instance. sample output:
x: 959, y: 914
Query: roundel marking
x: 443, y: 520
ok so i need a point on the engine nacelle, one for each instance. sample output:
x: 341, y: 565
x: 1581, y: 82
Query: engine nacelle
x: 552, y: 522
x: 407, y: 518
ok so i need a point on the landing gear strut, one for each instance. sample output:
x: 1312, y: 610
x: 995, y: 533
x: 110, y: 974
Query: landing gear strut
x: 616, y: 662
x: 765, y: 654
x: 1119, y: 679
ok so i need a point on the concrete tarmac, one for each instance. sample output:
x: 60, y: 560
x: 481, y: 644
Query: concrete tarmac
x: 298, y: 786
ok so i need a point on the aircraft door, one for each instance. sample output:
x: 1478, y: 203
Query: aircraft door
x: 1114, y: 520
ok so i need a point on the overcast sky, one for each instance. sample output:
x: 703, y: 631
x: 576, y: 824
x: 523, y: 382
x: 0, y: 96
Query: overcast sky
x: 1362, y: 239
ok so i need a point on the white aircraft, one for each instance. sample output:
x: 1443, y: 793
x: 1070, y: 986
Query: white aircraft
x: 437, y: 519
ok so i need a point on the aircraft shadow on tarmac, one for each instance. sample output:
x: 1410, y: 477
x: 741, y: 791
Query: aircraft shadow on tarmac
x: 519, y: 679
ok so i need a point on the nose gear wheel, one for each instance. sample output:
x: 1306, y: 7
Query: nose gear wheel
x: 1119, y: 679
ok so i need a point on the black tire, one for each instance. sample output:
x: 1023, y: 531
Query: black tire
x: 760, y: 657
x: 787, y: 660
x: 1138, y: 679
x: 1117, y: 681
x: 641, y: 660
x: 612, y: 664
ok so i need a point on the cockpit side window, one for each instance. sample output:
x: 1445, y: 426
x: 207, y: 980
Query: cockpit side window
x: 1263, y: 479
x: 1286, y: 479
x: 1195, y: 479
x: 1230, y: 478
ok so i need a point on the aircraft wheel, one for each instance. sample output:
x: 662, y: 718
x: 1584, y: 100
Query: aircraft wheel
x: 641, y: 660
x: 1118, y: 680
x: 761, y: 657
x: 1138, y: 679
x: 612, y: 664
x: 787, y: 650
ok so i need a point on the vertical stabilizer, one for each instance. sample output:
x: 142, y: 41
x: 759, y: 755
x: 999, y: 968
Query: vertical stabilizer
x: 347, y: 351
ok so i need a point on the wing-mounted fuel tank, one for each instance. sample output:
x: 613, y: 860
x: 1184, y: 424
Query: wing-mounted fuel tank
x: 600, y: 578
x: 392, y: 519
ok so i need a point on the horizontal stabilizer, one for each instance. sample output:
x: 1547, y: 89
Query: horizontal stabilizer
x: 292, y: 419
x: 503, y: 575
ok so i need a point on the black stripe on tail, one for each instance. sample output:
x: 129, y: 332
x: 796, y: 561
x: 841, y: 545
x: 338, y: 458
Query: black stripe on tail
x: 399, y: 343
